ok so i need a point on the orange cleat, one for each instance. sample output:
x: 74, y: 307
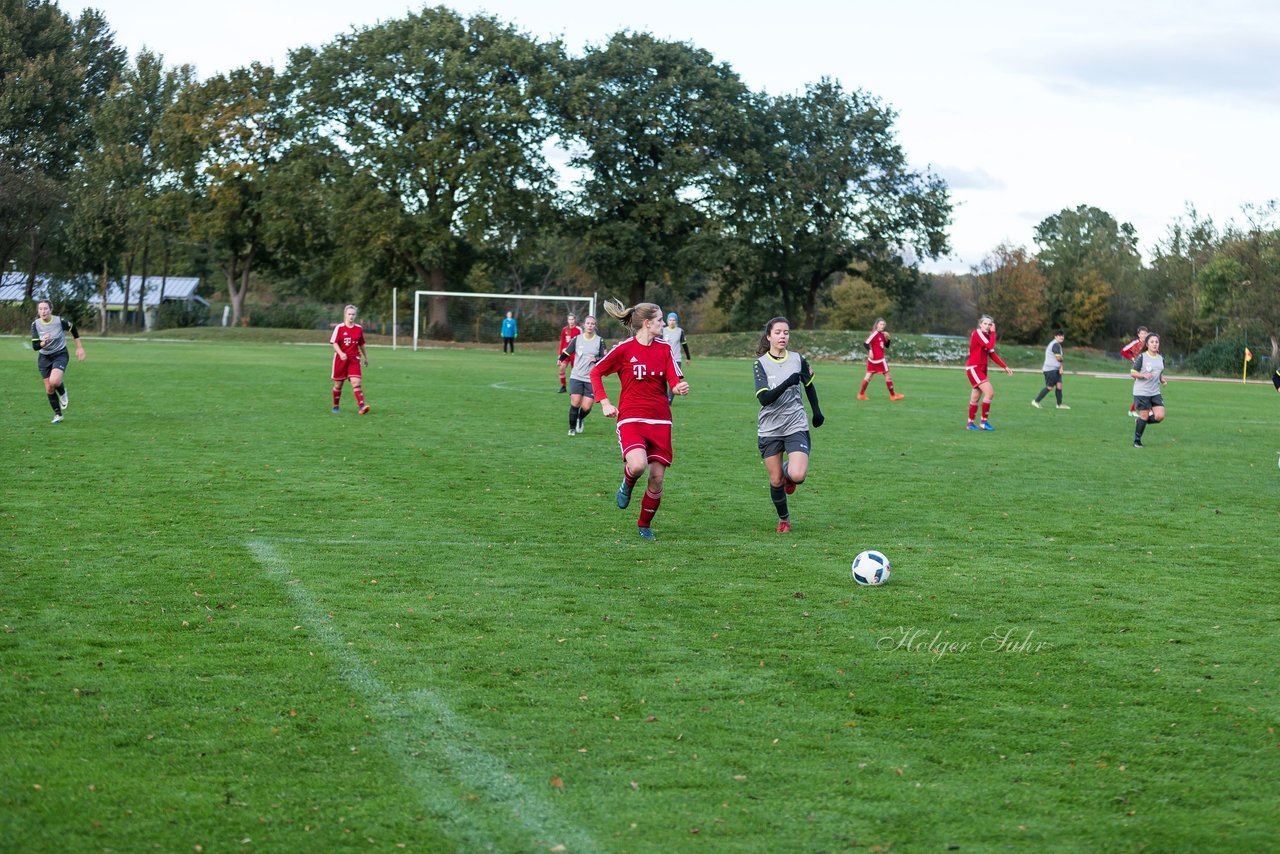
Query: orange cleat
x: 364, y: 410
x: 862, y: 396
x: 896, y: 396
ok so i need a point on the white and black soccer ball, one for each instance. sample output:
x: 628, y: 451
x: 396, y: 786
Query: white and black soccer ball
x: 871, y: 568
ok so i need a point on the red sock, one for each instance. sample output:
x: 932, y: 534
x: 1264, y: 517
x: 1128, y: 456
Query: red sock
x: 337, y: 395
x: 986, y: 409
x: 1133, y: 407
x: 629, y: 477
x: 973, y: 410
x: 889, y: 386
x: 863, y: 390
x: 648, y: 507
x: 359, y: 392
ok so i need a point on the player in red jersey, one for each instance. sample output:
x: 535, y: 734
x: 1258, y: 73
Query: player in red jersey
x: 877, y: 362
x: 348, y: 350
x: 645, y: 365
x: 568, y: 332
x: 1131, y: 351
x: 982, y: 345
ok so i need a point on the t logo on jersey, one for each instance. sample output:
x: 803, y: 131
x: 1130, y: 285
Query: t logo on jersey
x: 639, y: 370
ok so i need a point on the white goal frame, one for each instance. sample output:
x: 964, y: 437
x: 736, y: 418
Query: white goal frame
x: 418, y: 295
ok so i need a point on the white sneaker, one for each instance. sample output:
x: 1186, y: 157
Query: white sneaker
x: 579, y: 425
x: 63, y: 400
x: 57, y: 419
x: 1036, y: 404
x: 573, y: 432
x: 1063, y: 406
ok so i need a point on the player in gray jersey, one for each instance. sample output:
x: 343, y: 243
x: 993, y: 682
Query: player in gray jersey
x: 585, y: 350
x: 782, y: 424
x: 1052, y: 369
x: 674, y: 335
x: 1148, y: 377
x: 49, y: 339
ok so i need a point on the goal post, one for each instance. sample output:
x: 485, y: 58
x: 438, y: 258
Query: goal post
x: 418, y: 296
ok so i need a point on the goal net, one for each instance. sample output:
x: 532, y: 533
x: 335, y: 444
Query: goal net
x: 477, y: 318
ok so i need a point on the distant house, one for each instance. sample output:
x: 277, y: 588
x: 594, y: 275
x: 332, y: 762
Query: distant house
x: 13, y: 287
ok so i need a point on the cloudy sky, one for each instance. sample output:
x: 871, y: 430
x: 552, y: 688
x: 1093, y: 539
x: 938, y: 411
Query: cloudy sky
x: 1139, y: 108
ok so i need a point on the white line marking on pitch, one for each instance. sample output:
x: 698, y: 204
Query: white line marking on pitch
x: 407, y: 736
x: 505, y: 385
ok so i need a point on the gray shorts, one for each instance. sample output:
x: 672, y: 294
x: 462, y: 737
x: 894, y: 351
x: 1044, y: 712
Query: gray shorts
x: 772, y: 446
x: 58, y: 360
x: 1146, y: 403
x: 582, y: 387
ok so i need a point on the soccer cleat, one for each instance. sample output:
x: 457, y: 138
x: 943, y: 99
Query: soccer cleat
x: 624, y: 495
x: 971, y: 426
x: 335, y: 410
x: 563, y: 390
x: 1062, y: 406
x: 62, y: 399
x: 986, y: 425
x: 788, y: 485
x: 862, y: 396
x: 896, y: 396
x: 1132, y: 414
x: 647, y: 534
x: 57, y: 419
x: 1137, y: 443
x: 364, y: 410
x: 573, y: 432
x: 579, y: 425
x: 784, y: 526
x: 1036, y: 404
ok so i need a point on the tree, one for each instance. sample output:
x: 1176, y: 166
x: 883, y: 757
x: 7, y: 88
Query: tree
x: 1074, y: 244
x: 1010, y: 287
x: 1172, y: 301
x: 442, y: 123
x: 822, y: 185
x: 650, y: 124
x: 1254, y: 301
x: 225, y: 135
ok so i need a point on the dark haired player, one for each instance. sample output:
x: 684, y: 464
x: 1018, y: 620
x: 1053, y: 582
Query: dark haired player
x: 1052, y: 369
x: 49, y: 339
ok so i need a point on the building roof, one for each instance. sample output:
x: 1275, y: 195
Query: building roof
x: 13, y: 288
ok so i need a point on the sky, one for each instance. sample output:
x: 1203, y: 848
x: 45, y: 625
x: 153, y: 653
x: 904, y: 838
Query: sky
x: 1138, y: 107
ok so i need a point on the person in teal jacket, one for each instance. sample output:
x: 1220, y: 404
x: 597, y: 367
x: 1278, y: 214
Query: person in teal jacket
x: 509, y: 334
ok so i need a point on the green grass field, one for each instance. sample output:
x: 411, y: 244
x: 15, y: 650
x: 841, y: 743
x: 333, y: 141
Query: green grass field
x: 235, y: 622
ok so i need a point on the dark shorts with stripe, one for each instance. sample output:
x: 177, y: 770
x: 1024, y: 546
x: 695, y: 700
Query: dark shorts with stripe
x: 1145, y: 403
x: 47, y: 364
x: 771, y: 446
x: 1052, y: 378
x: 582, y: 387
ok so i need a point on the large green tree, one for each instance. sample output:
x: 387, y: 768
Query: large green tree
x: 651, y: 125
x: 822, y: 186
x: 1087, y: 257
x: 442, y: 122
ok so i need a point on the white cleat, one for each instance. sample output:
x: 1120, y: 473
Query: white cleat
x: 1063, y: 406
x: 57, y: 419
x: 1036, y: 404
x: 573, y: 432
x: 63, y: 400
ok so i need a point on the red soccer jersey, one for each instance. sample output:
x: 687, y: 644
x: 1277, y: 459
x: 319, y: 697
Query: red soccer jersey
x: 1132, y: 349
x: 645, y: 371
x: 980, y: 347
x: 876, y: 342
x: 567, y: 334
x: 348, y: 338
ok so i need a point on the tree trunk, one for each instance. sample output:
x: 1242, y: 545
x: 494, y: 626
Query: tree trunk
x: 128, y: 281
x: 103, y: 284
x: 438, y: 313
x: 636, y: 292
x: 142, y: 286
x: 236, y: 291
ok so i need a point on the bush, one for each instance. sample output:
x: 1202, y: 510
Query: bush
x: 181, y: 314
x: 1224, y: 358
x: 288, y: 316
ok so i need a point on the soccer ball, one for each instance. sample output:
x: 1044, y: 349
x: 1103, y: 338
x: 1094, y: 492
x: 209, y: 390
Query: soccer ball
x: 871, y: 568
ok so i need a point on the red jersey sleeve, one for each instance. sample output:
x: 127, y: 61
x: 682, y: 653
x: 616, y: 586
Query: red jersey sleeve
x: 608, y: 365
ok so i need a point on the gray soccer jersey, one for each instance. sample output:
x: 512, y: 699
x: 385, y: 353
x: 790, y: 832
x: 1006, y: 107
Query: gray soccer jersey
x: 785, y: 415
x: 586, y: 352
x: 1147, y: 363
x: 1051, y: 354
x: 674, y: 337
x: 57, y: 335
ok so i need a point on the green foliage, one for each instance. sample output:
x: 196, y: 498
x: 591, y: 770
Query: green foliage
x: 1225, y: 358
x: 1086, y: 256
x: 1010, y: 287
x: 855, y: 304
x: 295, y: 596
x: 299, y: 315
x: 181, y: 314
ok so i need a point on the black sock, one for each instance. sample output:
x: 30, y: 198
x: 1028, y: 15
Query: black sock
x: 779, y: 496
x: 582, y: 414
x: 53, y: 402
x: 1058, y: 392
x: 1138, y: 428
x: 61, y: 389
x: 573, y: 417
x: 1040, y: 396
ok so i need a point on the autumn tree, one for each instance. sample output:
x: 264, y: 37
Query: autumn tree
x: 1086, y: 256
x: 1009, y: 286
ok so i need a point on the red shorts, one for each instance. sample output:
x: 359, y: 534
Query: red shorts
x: 977, y: 374
x: 655, y: 439
x: 345, y: 368
x: 881, y: 367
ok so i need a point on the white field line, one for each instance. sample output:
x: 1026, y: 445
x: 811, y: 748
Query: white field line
x: 506, y: 386
x: 422, y: 733
x: 391, y: 543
